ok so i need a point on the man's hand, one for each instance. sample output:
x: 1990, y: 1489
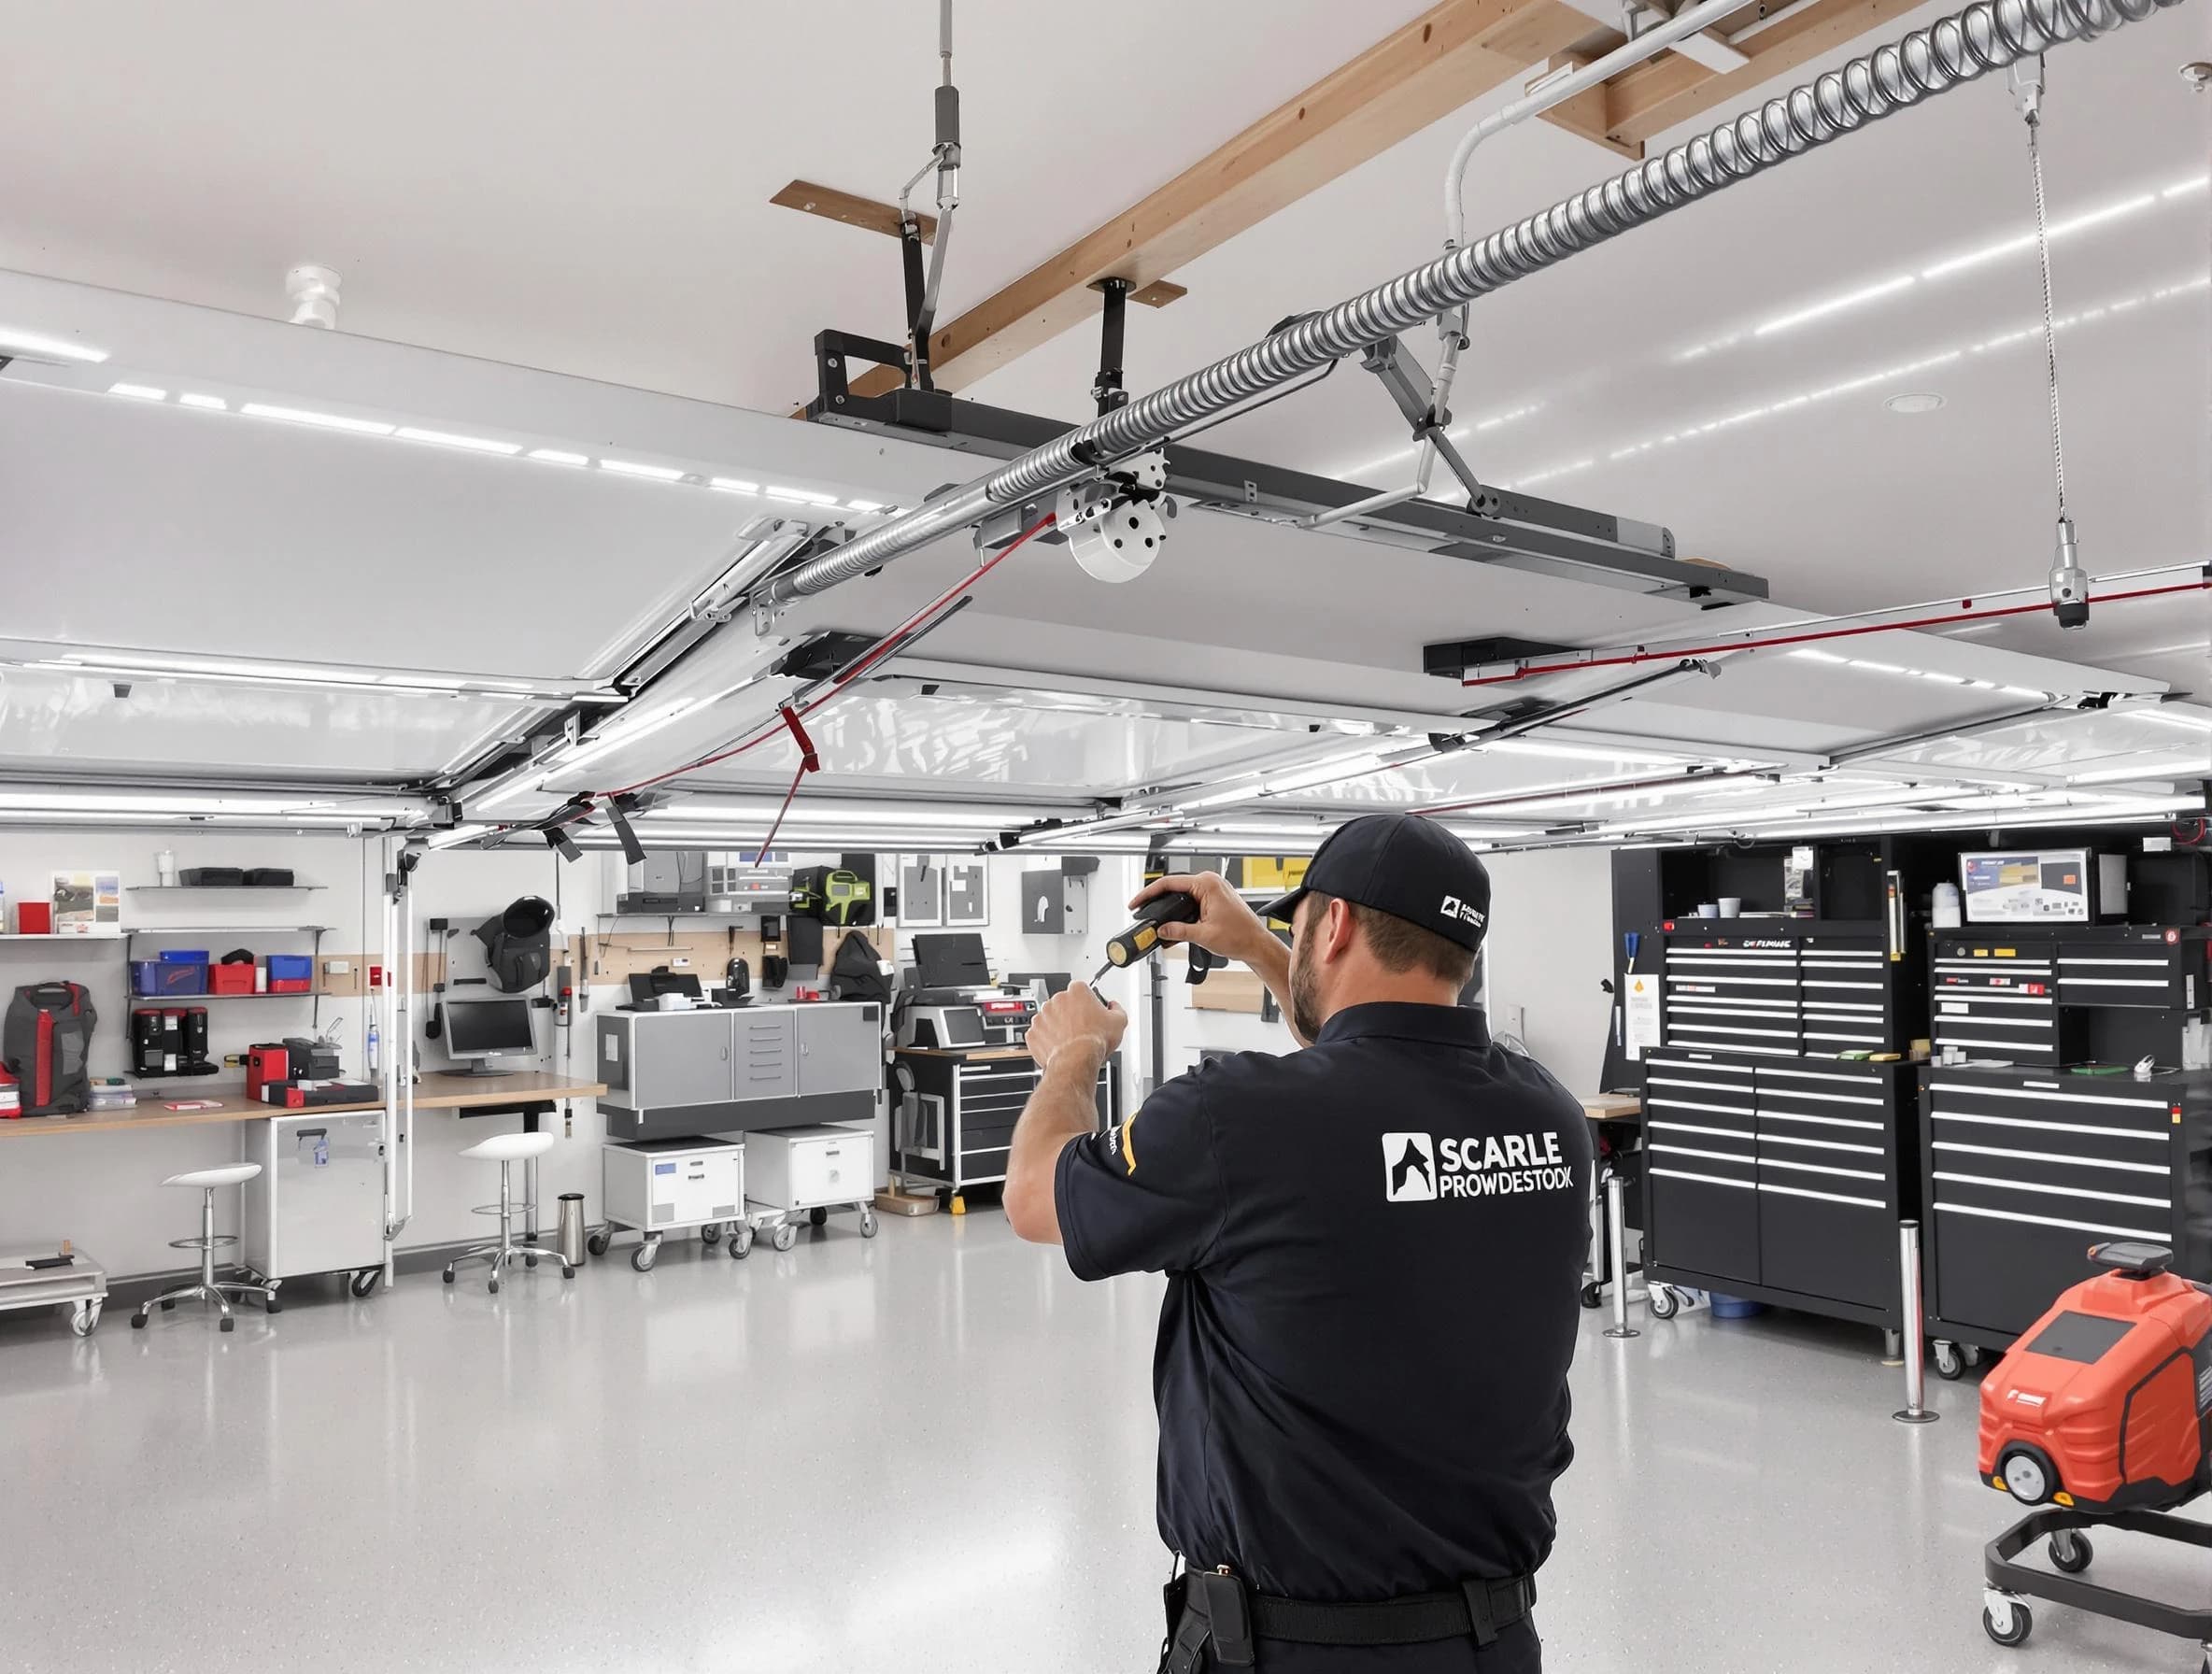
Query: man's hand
x: 1226, y: 925
x: 1076, y: 1020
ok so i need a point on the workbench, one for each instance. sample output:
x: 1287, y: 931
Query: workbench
x: 468, y: 1094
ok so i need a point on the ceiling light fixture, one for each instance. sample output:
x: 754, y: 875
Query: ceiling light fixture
x: 2026, y: 241
x: 649, y: 473
x: 1834, y: 305
x: 443, y: 438
x: 2194, y: 766
x: 139, y: 392
x: 556, y: 456
x: 2174, y: 718
x: 1914, y: 403
x: 801, y: 496
x: 733, y: 485
x: 35, y: 346
x: 365, y: 427
x: 207, y: 404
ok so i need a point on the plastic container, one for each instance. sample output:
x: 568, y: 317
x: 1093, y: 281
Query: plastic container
x: 1735, y: 1306
x: 230, y: 979
x: 152, y: 978
x: 184, y: 956
x: 1943, y: 907
x: 289, y: 968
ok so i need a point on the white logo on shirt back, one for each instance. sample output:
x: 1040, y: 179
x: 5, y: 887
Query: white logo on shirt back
x: 1408, y: 1168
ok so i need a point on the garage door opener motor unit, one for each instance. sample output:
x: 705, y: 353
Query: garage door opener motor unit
x: 2101, y: 1414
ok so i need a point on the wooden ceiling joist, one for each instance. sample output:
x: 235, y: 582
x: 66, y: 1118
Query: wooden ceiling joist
x: 1450, y: 55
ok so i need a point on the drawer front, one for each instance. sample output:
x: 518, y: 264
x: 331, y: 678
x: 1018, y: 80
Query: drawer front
x: 1733, y: 999
x: 828, y: 1171
x: 1703, y: 1220
x: 764, y: 1055
x: 2011, y: 1022
x: 1844, y: 989
x: 1823, y: 1243
x: 2126, y: 973
x: 2000, y: 1272
x: 2056, y: 1158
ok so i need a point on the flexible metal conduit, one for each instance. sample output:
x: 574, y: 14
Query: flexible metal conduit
x: 1985, y: 37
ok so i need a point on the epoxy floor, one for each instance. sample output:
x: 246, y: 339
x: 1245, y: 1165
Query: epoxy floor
x: 931, y: 1452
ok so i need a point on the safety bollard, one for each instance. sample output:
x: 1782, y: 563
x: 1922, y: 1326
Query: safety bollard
x: 1616, y: 1220
x: 1916, y: 1369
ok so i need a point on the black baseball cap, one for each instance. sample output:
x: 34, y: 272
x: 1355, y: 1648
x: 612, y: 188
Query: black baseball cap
x: 1408, y: 867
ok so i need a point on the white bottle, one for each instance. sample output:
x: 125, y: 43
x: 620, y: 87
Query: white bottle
x: 1943, y: 907
x: 375, y: 1043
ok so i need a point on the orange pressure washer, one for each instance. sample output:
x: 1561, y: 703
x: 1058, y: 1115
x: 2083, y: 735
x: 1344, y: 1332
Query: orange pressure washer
x: 2102, y: 1416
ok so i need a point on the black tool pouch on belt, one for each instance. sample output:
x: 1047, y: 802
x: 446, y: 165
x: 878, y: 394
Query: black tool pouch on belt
x: 1208, y: 1624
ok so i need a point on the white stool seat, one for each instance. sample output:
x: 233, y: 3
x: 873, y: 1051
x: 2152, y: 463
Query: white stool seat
x: 233, y: 1173
x: 510, y: 1147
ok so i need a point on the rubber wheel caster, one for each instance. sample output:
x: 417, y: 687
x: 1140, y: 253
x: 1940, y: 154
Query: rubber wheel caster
x: 492, y: 1286
x: 641, y: 1259
x: 741, y: 1244
x: 1950, y: 1365
x: 597, y: 1243
x: 710, y: 1234
x: 2023, y: 1624
x: 1593, y: 1296
x: 227, y: 1324
x: 448, y: 1275
x: 366, y: 1282
x: 1972, y: 1353
x: 530, y: 1261
x: 568, y: 1272
x: 817, y: 1217
x: 271, y: 1305
x: 1665, y: 1304
x: 2071, y: 1553
x: 786, y: 1236
x: 138, y: 1322
x: 868, y: 1223
x: 85, y: 1320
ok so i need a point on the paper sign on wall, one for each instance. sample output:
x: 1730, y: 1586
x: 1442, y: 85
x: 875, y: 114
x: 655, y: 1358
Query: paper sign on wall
x: 1641, y: 1012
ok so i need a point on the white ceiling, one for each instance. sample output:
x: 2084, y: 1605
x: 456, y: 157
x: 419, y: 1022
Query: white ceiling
x: 584, y: 188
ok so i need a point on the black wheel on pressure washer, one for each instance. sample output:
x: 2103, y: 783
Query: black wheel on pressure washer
x: 2070, y: 1552
x: 2022, y: 1623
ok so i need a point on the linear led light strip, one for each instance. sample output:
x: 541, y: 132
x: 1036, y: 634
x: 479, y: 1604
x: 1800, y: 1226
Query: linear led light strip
x: 1874, y: 667
x: 277, y: 673
x: 638, y: 469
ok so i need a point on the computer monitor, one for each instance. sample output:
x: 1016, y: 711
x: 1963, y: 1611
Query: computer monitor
x: 951, y: 961
x: 481, y: 1032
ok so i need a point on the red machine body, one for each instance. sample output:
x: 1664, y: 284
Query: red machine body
x: 2106, y: 1403
x: 266, y: 1066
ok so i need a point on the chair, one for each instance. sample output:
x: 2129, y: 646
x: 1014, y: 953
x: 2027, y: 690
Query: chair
x: 507, y: 1149
x: 206, y: 1182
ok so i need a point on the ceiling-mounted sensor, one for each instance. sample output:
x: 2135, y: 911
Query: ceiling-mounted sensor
x: 313, y: 293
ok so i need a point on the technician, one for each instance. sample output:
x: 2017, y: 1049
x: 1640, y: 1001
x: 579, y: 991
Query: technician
x: 1373, y: 1247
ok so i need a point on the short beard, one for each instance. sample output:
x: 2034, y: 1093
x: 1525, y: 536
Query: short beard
x: 1305, y: 993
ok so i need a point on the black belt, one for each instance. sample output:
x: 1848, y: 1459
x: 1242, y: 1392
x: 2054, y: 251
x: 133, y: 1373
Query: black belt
x: 1217, y: 1612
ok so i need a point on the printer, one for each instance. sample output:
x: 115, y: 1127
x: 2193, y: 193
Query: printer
x: 948, y: 1002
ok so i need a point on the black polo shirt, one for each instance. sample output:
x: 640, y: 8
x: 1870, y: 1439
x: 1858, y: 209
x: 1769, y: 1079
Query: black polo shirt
x: 1374, y: 1247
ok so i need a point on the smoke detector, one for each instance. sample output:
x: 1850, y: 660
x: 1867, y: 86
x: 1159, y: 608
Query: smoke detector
x: 1914, y: 402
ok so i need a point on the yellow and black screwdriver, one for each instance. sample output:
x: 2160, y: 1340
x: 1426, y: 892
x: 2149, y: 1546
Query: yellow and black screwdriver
x: 1142, y: 938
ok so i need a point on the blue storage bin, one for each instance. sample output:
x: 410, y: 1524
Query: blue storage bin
x: 290, y: 968
x: 153, y: 979
x: 184, y: 956
x: 1735, y: 1306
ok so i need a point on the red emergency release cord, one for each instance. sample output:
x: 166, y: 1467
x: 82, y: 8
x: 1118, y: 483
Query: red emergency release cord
x: 1813, y: 635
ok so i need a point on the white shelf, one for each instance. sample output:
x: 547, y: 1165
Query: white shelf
x: 227, y: 888
x: 61, y: 936
x: 226, y: 929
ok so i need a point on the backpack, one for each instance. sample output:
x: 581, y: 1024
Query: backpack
x: 857, y: 970
x: 46, y: 1041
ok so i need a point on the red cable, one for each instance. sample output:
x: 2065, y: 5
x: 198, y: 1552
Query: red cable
x: 1808, y: 638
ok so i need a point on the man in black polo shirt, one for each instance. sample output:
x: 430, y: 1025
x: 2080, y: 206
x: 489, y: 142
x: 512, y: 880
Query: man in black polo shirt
x: 1374, y: 1248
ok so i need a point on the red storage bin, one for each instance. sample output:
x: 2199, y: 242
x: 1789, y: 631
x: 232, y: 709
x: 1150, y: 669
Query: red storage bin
x: 291, y: 985
x: 230, y: 979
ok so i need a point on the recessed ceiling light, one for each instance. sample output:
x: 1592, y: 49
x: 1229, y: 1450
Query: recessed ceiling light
x: 445, y: 438
x: 554, y: 456
x: 733, y: 485
x: 212, y: 404
x: 651, y: 473
x: 1914, y: 401
x: 367, y: 427
x: 139, y: 392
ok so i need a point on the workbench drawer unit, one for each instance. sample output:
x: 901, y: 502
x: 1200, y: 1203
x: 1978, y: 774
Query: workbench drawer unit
x: 790, y: 1168
x: 955, y: 1126
x: 1727, y: 995
x: 1844, y: 995
x: 1778, y: 1180
x: 2142, y: 969
x: 2026, y: 1169
x: 1999, y: 998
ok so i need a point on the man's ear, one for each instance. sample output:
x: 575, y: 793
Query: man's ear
x: 1338, y: 930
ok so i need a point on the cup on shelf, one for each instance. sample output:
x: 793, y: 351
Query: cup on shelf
x: 1706, y: 908
x: 1732, y: 906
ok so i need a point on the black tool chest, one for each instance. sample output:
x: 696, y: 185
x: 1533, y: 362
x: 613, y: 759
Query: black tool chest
x: 954, y: 1126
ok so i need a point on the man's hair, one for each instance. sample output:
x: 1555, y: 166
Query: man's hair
x: 1400, y: 944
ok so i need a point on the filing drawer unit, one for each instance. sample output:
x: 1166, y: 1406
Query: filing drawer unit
x: 1780, y: 1180
x: 717, y: 1070
x: 2026, y: 1169
x: 1996, y: 995
x: 955, y: 1126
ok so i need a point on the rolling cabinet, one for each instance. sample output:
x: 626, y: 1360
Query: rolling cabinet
x: 1997, y: 994
x: 1780, y: 1180
x: 2026, y: 1168
x: 953, y: 1124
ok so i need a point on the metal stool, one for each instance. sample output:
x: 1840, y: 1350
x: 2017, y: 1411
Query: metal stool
x: 507, y: 1149
x: 206, y: 1180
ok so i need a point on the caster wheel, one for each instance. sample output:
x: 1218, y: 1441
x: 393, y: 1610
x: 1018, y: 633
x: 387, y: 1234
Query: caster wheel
x: 1973, y: 1354
x: 710, y: 1234
x: 272, y: 1305
x: 1950, y: 1365
x: 227, y: 1324
x: 1665, y: 1304
x: 86, y: 1319
x: 1593, y: 1296
x: 2071, y: 1553
x: 168, y: 1307
x: 492, y: 1286
x: 2016, y: 1634
x: 567, y: 1271
x: 448, y: 1275
x: 530, y: 1261
x: 785, y: 1236
x: 138, y: 1322
x: 868, y: 1223
x: 597, y: 1243
x: 366, y: 1282
x: 641, y: 1257
x: 741, y: 1243
x: 817, y: 1217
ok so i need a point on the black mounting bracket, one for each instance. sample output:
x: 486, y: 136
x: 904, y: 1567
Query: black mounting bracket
x: 1106, y: 389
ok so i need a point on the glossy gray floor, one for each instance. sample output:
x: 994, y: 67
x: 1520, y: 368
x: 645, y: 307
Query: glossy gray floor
x: 931, y: 1452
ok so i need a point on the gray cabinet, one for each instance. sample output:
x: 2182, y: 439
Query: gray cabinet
x: 840, y: 1048
x: 766, y: 1059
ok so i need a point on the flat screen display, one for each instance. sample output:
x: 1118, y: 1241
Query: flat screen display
x: 963, y: 1026
x: 475, y: 1027
x: 951, y: 961
x: 2027, y: 886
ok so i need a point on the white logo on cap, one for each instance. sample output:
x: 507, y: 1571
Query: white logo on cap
x: 1455, y: 908
x: 1408, y: 1168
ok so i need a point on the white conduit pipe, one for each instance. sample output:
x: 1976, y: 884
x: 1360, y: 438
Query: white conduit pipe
x: 1988, y: 35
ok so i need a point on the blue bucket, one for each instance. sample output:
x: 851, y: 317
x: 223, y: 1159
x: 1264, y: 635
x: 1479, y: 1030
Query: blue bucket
x: 1735, y: 1306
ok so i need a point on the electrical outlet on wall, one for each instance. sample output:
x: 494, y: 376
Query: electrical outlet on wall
x: 1514, y: 1020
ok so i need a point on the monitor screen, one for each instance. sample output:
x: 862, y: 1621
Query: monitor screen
x: 478, y: 1027
x: 951, y: 961
x: 963, y: 1026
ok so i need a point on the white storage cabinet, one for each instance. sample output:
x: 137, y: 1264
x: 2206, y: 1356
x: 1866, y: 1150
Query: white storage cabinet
x: 793, y: 1172
x: 658, y: 1186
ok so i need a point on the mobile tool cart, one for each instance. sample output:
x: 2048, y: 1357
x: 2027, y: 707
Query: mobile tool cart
x: 798, y: 1172
x: 658, y: 1186
x: 67, y: 1279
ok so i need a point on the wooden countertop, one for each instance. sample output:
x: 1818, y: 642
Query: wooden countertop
x: 1612, y: 1107
x: 441, y: 1091
x: 972, y: 1054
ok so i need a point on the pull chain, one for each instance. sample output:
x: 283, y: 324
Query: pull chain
x: 2069, y: 582
x: 2050, y: 340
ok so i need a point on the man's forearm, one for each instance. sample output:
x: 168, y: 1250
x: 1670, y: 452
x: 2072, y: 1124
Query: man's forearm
x: 1063, y: 1107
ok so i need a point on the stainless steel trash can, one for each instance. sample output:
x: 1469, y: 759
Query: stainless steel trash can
x: 570, y: 1235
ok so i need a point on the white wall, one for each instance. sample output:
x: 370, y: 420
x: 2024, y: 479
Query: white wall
x: 1551, y: 939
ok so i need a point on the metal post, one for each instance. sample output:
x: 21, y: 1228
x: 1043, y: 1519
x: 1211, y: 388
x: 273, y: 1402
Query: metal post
x: 1915, y: 1371
x: 1616, y: 1197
